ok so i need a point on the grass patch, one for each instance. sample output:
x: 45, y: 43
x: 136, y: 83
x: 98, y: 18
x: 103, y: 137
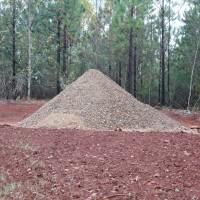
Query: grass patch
x: 8, y: 189
x: 2, y: 177
x: 27, y: 147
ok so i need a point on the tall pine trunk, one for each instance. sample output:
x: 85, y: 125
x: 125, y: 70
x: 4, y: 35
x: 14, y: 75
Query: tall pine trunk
x: 110, y: 54
x: 65, y: 43
x: 130, y: 62
x: 135, y: 68
x: 120, y: 74
x: 163, y: 53
x: 58, y: 86
x: 135, y: 59
x: 168, y: 60
x: 151, y: 64
x: 14, y: 48
x: 110, y: 46
x: 65, y: 51
x: 29, y: 49
x: 160, y: 73
x: 97, y: 37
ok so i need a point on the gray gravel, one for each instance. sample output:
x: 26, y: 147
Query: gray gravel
x: 99, y: 103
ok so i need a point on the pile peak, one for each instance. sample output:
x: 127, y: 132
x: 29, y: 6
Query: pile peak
x: 94, y: 101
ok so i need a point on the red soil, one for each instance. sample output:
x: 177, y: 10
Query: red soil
x: 71, y: 164
x: 12, y: 112
x: 189, y: 120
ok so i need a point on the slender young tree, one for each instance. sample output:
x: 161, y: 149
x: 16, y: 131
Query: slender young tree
x: 135, y: 60
x: 58, y: 86
x: 151, y: 62
x: 96, y: 35
x: 110, y: 42
x: 192, y: 74
x: 169, y: 54
x: 163, y: 53
x: 65, y: 50
x: 13, y: 47
x: 120, y: 74
x: 159, y: 76
x: 130, y: 61
x: 29, y: 48
x: 110, y: 52
x: 65, y: 42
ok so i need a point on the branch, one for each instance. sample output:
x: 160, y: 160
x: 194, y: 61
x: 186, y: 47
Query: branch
x: 115, y: 195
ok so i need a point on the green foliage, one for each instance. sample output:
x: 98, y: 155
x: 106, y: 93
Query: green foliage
x: 98, y: 37
x: 183, y: 58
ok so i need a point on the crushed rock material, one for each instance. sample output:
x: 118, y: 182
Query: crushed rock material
x: 94, y: 101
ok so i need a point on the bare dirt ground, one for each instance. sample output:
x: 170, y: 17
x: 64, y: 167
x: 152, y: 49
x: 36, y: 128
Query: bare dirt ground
x: 86, y: 165
x: 12, y: 112
x: 190, y: 120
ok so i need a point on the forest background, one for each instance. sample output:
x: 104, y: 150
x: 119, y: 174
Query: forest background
x: 149, y: 47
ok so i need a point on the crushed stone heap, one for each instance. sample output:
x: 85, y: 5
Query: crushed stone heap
x: 94, y: 101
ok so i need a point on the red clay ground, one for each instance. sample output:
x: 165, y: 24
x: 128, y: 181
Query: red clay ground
x: 71, y: 164
x: 64, y: 164
x: 190, y: 120
x: 12, y: 112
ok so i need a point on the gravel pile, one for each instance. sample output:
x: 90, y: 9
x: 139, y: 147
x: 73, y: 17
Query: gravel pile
x: 94, y: 101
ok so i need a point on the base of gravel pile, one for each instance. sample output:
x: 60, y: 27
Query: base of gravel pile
x: 94, y: 101
x: 61, y: 120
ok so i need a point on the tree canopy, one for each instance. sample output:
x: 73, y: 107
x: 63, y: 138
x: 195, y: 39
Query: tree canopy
x: 137, y: 43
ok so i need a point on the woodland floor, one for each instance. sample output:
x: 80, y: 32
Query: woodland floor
x: 86, y: 165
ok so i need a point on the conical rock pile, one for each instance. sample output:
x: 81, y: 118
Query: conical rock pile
x: 94, y: 101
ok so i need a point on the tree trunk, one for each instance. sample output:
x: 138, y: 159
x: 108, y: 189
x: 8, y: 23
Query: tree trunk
x: 58, y: 86
x: 65, y: 51
x: 159, y: 78
x: 110, y: 70
x: 29, y: 49
x: 120, y: 74
x: 168, y: 62
x: 110, y: 49
x: 135, y: 69
x: 14, y: 48
x: 65, y: 43
x: 163, y: 53
x: 135, y: 60
x: 151, y: 63
x: 97, y: 38
x: 130, y: 62
x: 192, y: 74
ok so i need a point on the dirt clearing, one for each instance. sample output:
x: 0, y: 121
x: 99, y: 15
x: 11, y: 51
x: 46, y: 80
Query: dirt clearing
x: 87, y: 165
x: 190, y: 120
x: 12, y: 112
x: 68, y: 164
